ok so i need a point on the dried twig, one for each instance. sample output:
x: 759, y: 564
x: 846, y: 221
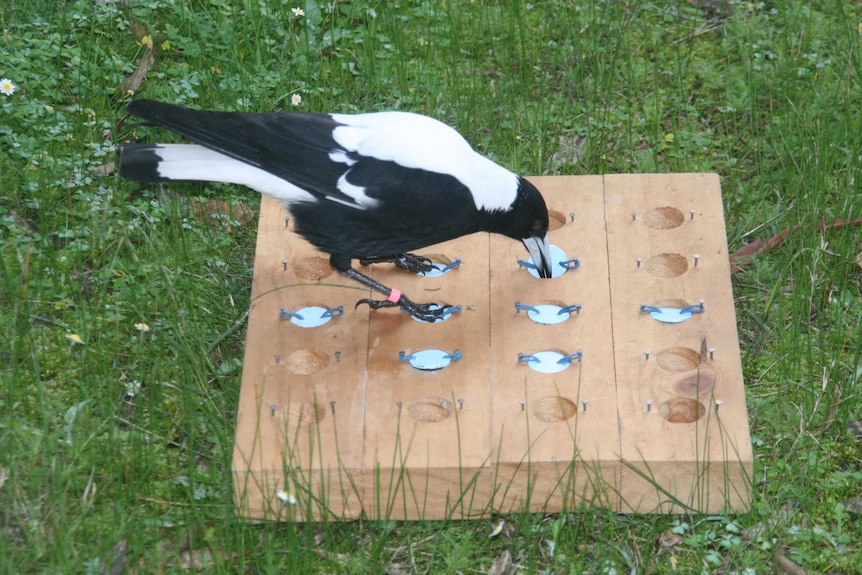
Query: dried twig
x: 743, y: 256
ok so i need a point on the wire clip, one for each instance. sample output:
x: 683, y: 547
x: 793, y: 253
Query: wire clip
x: 312, y: 316
x: 672, y: 314
x: 548, y: 314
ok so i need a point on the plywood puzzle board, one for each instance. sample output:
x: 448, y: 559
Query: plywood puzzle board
x: 617, y: 384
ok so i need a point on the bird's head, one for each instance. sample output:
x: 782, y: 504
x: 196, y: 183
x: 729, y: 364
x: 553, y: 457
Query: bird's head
x: 527, y: 220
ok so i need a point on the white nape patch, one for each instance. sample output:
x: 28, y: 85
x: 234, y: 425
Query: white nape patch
x: 341, y: 157
x: 363, y: 202
x: 416, y: 141
x: 197, y: 163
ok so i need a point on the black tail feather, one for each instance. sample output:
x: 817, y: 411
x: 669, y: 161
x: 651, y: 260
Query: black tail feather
x: 139, y: 162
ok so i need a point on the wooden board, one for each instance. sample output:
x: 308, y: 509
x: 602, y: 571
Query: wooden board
x: 329, y: 416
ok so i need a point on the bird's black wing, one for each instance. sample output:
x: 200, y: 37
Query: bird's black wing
x: 293, y: 146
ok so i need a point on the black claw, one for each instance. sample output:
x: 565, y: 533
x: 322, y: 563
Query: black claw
x: 409, y: 262
x: 375, y: 303
x: 424, y: 312
x: 421, y: 311
x: 414, y: 263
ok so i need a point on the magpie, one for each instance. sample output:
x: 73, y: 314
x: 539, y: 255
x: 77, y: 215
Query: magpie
x: 371, y: 187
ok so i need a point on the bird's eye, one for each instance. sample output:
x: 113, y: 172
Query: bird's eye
x: 538, y: 225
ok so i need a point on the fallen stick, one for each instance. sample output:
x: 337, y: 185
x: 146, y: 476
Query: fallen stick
x: 743, y: 256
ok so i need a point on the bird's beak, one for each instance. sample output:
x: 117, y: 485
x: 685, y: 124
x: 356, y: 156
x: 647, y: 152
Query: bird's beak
x: 540, y: 253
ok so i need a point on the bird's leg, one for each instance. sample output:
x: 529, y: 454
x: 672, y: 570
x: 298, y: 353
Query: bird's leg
x: 410, y: 262
x: 422, y: 311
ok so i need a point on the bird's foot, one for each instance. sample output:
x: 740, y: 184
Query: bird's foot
x: 429, y: 312
x: 410, y: 262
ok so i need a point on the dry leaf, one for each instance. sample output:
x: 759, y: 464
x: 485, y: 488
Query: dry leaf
x: 134, y: 81
x: 197, y: 560
x: 762, y: 527
x: 714, y: 7
x: 854, y: 505
x: 669, y: 539
x: 787, y: 566
x: 503, y: 565
x: 105, y: 169
x: 115, y: 561
x: 21, y: 223
x: 570, y: 152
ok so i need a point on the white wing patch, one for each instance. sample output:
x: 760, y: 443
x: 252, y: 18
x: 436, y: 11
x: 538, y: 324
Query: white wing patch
x: 191, y: 162
x: 341, y: 157
x: 363, y: 201
x: 420, y: 142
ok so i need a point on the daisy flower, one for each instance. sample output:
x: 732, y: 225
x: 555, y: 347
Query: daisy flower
x: 7, y: 87
x: 286, y: 498
x: 296, y: 99
x: 298, y: 12
x: 142, y: 327
x: 74, y: 338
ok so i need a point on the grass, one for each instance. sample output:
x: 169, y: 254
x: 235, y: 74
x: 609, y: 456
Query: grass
x: 115, y: 439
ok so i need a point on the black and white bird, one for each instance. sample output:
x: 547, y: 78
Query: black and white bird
x: 372, y: 187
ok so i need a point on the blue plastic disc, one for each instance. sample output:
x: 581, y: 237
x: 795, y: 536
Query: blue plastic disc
x: 548, y: 314
x: 670, y: 315
x: 546, y: 361
x: 430, y: 359
x: 560, y: 263
x: 314, y: 316
x: 439, y: 268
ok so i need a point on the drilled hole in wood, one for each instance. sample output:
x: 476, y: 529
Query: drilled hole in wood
x: 303, y: 413
x: 554, y: 409
x: 439, y: 259
x: 682, y: 410
x: 556, y: 220
x: 699, y: 383
x: 431, y: 409
x: 313, y: 268
x: 674, y: 303
x: 666, y: 265
x: 664, y: 218
x: 306, y: 361
x: 678, y: 359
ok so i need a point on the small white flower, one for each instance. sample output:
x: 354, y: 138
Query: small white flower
x: 287, y: 498
x: 142, y: 327
x: 7, y: 87
x: 298, y: 12
x: 132, y: 388
x: 296, y: 99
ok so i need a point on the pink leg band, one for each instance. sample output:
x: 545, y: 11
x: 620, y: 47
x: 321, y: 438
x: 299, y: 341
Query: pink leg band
x: 394, y: 295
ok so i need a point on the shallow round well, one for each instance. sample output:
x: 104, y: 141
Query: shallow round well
x: 306, y: 361
x: 664, y: 218
x: 682, y: 410
x: 312, y: 268
x: 556, y: 220
x: 677, y: 359
x: 554, y: 409
x: 302, y: 413
x: 430, y: 409
x: 699, y: 383
x: 666, y: 265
